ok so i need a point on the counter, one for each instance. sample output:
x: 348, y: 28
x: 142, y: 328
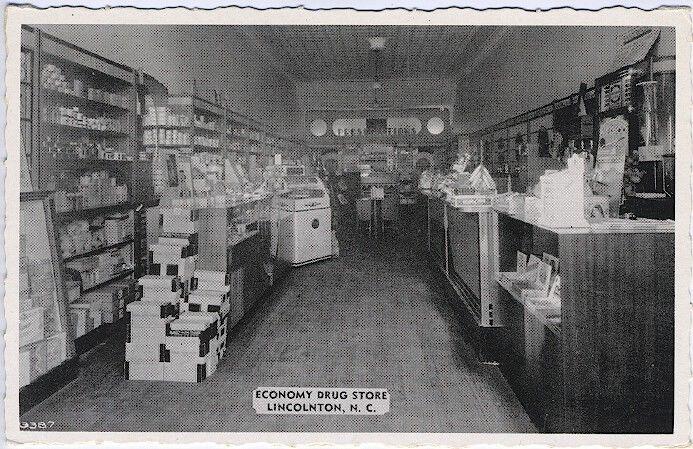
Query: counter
x: 222, y: 248
x: 461, y: 241
x: 608, y: 365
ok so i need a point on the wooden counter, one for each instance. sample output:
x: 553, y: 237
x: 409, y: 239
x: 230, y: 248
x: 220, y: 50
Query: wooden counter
x: 609, y: 366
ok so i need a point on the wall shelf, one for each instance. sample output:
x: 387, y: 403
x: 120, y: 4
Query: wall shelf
x: 96, y: 251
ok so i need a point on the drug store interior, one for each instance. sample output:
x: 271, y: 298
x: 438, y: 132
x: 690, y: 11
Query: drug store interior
x: 478, y: 219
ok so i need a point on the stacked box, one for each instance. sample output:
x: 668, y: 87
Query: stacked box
x: 179, y: 220
x: 148, y: 320
x: 191, y: 347
x: 209, y: 301
x: 212, y: 293
x: 177, y: 331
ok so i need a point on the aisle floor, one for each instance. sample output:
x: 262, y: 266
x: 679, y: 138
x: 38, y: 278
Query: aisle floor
x: 376, y: 316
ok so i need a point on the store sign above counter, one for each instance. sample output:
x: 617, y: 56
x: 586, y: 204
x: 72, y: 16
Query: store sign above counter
x: 410, y: 125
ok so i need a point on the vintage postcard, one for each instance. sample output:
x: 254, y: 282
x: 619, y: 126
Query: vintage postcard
x: 295, y: 226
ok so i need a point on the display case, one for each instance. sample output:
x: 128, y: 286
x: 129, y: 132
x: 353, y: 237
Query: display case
x: 242, y: 247
x: 606, y: 364
x: 461, y: 241
x: 47, y: 359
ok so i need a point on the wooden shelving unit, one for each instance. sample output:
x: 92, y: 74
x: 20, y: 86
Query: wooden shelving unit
x: 82, y: 113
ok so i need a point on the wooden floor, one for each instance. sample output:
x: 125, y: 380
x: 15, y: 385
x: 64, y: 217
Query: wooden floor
x: 374, y: 317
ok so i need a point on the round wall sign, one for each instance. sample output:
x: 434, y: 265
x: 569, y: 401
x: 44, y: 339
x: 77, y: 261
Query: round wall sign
x: 435, y: 125
x: 318, y: 127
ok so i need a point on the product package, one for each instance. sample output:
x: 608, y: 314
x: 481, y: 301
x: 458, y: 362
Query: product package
x: 209, y: 301
x: 144, y: 370
x: 150, y: 285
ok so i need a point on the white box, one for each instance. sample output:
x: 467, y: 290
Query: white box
x: 160, y: 296
x: 141, y: 352
x: 147, y: 335
x: 147, y: 330
x: 156, y: 282
x: 220, y: 278
x: 151, y: 308
x: 184, y: 369
x: 209, y: 301
x: 144, y: 370
x: 174, y: 266
x: 196, y: 320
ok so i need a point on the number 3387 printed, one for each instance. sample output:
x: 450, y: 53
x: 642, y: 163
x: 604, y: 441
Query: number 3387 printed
x: 36, y: 425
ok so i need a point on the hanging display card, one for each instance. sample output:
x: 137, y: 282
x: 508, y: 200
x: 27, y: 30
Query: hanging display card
x: 611, y: 158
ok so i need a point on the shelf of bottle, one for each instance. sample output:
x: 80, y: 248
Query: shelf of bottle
x: 56, y: 95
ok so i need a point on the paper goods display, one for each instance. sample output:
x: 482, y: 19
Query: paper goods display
x: 177, y: 330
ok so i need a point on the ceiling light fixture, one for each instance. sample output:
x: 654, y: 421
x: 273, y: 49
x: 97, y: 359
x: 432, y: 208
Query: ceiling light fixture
x: 377, y: 43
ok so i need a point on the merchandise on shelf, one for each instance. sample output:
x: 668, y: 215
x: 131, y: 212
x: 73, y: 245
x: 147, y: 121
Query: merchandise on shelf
x: 162, y: 116
x: 94, y: 270
x: 205, y: 141
x: 244, y: 133
x: 95, y: 189
x: 202, y: 122
x: 71, y: 116
x: 162, y: 136
x: 82, y: 236
x: 52, y: 78
x: 83, y: 148
x: 102, y: 306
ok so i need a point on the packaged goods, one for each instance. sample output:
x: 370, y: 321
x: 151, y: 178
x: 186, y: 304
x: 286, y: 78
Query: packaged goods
x: 145, y: 352
x: 80, y: 318
x: 144, y: 370
x: 147, y: 330
x: 31, y: 326
x: 209, y: 301
x: 150, y: 307
x: 211, y: 280
x: 183, y: 268
x: 153, y: 284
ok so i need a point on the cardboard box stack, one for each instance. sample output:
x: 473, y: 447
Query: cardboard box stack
x: 177, y: 330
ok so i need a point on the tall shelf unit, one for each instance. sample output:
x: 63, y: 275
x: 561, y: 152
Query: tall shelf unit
x: 203, y: 123
x: 246, y: 142
x: 79, y: 139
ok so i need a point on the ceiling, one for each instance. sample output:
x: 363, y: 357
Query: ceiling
x: 313, y: 53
